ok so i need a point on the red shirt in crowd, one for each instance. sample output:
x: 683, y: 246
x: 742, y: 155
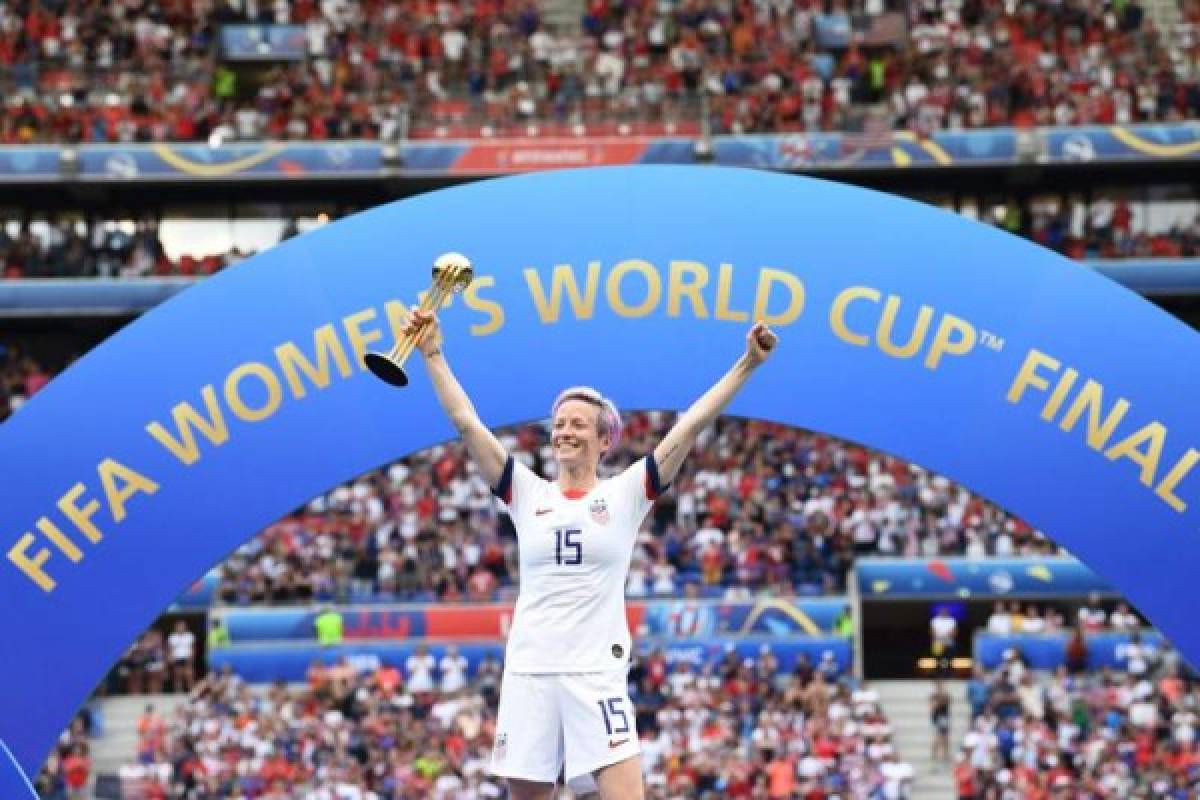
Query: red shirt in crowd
x: 76, y: 769
x: 964, y: 780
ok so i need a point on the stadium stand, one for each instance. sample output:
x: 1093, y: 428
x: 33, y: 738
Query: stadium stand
x: 736, y: 729
x: 1119, y: 732
x: 130, y: 71
x: 759, y: 508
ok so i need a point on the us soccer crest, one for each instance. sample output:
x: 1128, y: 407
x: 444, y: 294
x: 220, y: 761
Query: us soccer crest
x: 599, y: 510
x: 501, y: 746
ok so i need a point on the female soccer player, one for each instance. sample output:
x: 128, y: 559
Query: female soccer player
x: 564, y: 706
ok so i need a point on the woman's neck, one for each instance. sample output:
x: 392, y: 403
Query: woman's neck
x: 576, y: 479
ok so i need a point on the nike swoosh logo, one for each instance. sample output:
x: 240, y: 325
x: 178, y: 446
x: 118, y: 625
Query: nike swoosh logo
x: 541, y: 511
x: 614, y: 745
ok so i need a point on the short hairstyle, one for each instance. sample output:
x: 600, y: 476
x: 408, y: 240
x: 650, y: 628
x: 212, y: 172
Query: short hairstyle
x: 608, y: 422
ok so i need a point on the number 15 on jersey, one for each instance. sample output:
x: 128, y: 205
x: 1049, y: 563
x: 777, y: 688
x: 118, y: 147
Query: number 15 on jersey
x: 568, y: 549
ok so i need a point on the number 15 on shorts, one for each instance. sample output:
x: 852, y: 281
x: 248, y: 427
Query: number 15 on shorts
x: 615, y: 719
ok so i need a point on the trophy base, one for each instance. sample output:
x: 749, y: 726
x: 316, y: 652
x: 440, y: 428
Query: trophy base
x: 385, y: 369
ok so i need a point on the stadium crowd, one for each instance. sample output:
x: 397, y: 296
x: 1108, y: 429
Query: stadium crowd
x: 129, y: 70
x: 1127, y: 733
x: 730, y: 729
x: 738, y: 728
x: 1010, y: 618
x: 67, y: 772
x: 1109, y: 227
x: 757, y: 507
x: 62, y: 248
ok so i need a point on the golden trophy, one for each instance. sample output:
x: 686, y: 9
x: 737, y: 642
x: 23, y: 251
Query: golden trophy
x: 451, y: 273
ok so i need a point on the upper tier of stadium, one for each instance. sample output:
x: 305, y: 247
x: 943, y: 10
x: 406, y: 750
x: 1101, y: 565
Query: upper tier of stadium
x: 130, y: 71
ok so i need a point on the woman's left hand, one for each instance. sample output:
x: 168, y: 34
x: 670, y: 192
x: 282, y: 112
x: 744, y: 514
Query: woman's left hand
x: 760, y: 342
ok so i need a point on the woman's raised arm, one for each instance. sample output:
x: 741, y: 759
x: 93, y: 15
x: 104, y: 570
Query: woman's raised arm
x: 481, y: 443
x: 670, y: 452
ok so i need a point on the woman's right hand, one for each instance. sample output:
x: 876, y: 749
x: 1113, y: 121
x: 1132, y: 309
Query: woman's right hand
x: 425, y: 327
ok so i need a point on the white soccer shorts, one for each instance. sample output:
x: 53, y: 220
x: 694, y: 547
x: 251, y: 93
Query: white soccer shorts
x: 569, y: 723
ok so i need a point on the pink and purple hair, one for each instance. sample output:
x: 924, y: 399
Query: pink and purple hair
x: 609, y: 421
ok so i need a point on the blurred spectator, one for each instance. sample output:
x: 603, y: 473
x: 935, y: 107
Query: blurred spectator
x: 1077, y: 651
x: 939, y: 716
x: 1122, y: 619
x: 1092, y: 617
x: 453, y: 667
x: 1138, y: 656
x: 943, y: 635
x: 218, y: 632
x: 181, y: 645
x: 1033, y: 621
x: 154, y: 659
x: 328, y: 626
x: 420, y: 666
x: 844, y: 624
x: 67, y: 772
x: 77, y: 772
x: 978, y: 692
x: 1000, y: 622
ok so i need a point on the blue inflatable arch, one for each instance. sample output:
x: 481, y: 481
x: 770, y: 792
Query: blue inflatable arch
x: 1032, y: 380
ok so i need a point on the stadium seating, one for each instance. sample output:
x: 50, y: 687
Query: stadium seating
x: 424, y: 528
x: 792, y: 522
x: 125, y: 71
x: 1123, y: 732
x: 758, y: 510
x: 736, y: 729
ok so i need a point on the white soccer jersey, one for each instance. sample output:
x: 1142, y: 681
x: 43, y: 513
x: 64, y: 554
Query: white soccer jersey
x: 574, y: 555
